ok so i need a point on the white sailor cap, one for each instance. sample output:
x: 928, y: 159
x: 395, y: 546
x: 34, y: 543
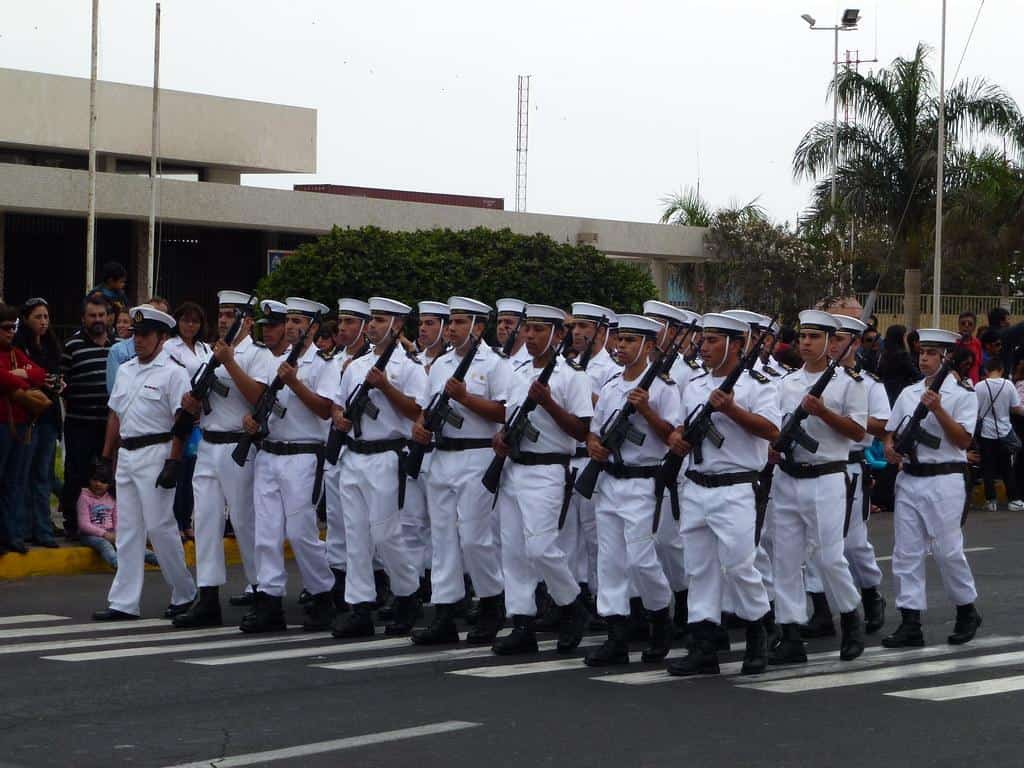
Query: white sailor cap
x: 510, y: 306
x: 300, y: 306
x: 937, y: 337
x: 645, y: 326
x: 433, y: 309
x: 668, y: 312
x: 725, y: 322
x: 146, y: 318
x: 544, y: 313
x: 354, y: 307
x: 850, y: 325
x: 817, y: 320
x: 584, y: 310
x: 382, y: 306
x: 233, y: 299
x: 273, y: 312
x: 463, y: 305
x: 755, y: 319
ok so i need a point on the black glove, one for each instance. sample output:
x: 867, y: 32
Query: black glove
x: 168, y: 477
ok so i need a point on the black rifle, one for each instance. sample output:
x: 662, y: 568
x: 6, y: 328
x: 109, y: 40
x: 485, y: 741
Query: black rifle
x: 617, y: 429
x: 518, y: 426
x: 267, y: 404
x: 358, y: 405
x: 440, y: 412
x: 909, y: 432
x: 699, y: 427
x: 510, y: 342
x: 792, y: 432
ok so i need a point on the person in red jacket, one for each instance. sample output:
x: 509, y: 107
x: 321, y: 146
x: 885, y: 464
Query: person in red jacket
x: 16, y: 372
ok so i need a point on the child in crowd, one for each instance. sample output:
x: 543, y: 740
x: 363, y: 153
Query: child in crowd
x: 97, y: 518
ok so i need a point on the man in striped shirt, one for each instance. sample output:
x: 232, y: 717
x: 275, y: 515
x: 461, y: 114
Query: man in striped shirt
x: 84, y: 367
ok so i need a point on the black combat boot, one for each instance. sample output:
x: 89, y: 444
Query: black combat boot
x: 771, y: 628
x: 407, y: 610
x: 679, y: 621
x: 338, y: 591
x: 204, y: 611
x: 967, y: 622
x: 320, y: 612
x: 596, y: 621
x: 305, y: 597
x: 790, y: 649
x: 639, y: 630
x: 701, y: 658
x: 425, y: 592
x: 245, y: 598
x: 267, y: 615
x: 661, y: 637
x: 731, y: 621
x: 755, y: 657
x: 522, y: 638
x: 383, y: 603
x: 874, y: 609
x: 720, y: 637
x: 614, y: 650
x: 908, y: 634
x: 441, y: 630
x: 821, y: 624
x: 549, y: 616
x: 852, y: 644
x: 357, y: 623
x: 572, y: 621
x: 489, y: 622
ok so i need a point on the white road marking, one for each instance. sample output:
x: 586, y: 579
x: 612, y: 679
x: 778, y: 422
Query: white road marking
x: 298, y: 653
x: 966, y: 549
x: 29, y: 618
x: 93, y: 642
x: 963, y: 690
x: 159, y: 650
x: 88, y: 627
x: 322, y: 747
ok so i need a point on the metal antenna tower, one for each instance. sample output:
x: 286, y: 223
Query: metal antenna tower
x: 522, y: 140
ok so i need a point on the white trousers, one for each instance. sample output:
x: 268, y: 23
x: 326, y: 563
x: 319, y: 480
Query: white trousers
x: 337, y: 553
x: 368, y: 491
x: 718, y: 533
x: 807, y: 523
x: 414, y: 521
x: 927, y: 518
x: 627, y: 559
x: 529, y: 503
x: 219, y: 484
x: 145, y: 510
x: 668, y: 541
x: 282, y: 496
x: 461, y: 526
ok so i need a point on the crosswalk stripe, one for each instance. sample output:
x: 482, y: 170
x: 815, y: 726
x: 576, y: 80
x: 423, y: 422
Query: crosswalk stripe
x: 966, y: 549
x: 89, y: 627
x: 337, y: 648
x: 865, y: 677
x: 159, y: 650
x: 963, y: 690
x: 30, y: 618
x: 92, y: 642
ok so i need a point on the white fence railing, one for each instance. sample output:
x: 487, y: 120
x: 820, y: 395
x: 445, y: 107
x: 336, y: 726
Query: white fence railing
x: 889, y: 308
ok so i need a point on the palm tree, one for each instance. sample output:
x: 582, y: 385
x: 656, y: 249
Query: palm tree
x: 887, y: 158
x: 686, y: 208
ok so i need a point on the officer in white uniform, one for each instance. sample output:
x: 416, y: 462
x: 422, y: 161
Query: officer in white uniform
x: 719, y: 506
x: 534, y: 483
x: 218, y: 482
x: 510, y: 321
x: 372, y: 474
x: 432, y: 339
x: 462, y: 532
x: 287, y: 481
x: 930, y: 496
x: 809, y: 494
x: 625, y: 496
x: 143, y: 404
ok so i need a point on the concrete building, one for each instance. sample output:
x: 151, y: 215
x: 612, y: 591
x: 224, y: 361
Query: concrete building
x: 213, y: 231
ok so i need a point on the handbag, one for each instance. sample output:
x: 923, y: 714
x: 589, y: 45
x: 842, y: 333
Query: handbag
x: 33, y: 400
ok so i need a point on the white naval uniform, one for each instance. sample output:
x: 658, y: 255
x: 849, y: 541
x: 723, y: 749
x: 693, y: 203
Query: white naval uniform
x: 462, y: 531
x: 775, y: 371
x: 626, y: 555
x: 145, y: 398
x: 518, y: 358
x: 530, y: 497
x: 192, y: 359
x: 719, y: 522
x: 368, y: 483
x: 218, y: 482
x: 928, y: 509
x: 283, y: 487
x: 808, y: 513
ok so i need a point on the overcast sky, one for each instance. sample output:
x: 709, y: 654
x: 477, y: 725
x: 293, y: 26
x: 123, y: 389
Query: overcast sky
x: 629, y: 100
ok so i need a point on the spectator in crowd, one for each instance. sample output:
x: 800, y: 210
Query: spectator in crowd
x: 991, y: 345
x: 83, y: 367
x: 113, y: 279
x: 1017, y: 377
x: 188, y: 347
x: 966, y: 324
x: 97, y: 518
x: 997, y: 399
x: 895, y: 368
x: 870, y: 349
x: 123, y: 325
x: 17, y: 372
x: 325, y: 337
x: 37, y: 340
x: 999, y: 318
x: 963, y: 362
x: 124, y: 350
x: 873, y: 321
x: 785, y: 349
x: 914, y: 346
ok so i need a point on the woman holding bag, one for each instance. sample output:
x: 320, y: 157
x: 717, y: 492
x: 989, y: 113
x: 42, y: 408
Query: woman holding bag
x: 999, y: 444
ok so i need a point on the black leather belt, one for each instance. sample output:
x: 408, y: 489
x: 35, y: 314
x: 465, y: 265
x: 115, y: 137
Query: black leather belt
x: 857, y: 457
x: 723, y: 479
x: 222, y: 438
x: 462, y: 443
x: 424, y: 448
x: 805, y: 471
x: 632, y: 472
x: 540, y: 459
x: 581, y: 452
x: 144, y: 441
x: 934, y: 470
x: 298, y: 449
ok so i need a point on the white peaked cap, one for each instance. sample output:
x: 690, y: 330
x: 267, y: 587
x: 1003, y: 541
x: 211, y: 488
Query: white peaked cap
x: 750, y: 318
x: 641, y: 324
x: 308, y: 307
x: 815, y: 318
x: 724, y: 322
x: 467, y: 306
x: 384, y: 306
x: 586, y: 311
x: 438, y: 308
x: 233, y: 298
x: 510, y: 306
x: 354, y: 307
x: 272, y: 309
x: 850, y: 324
x: 144, y: 313
x: 937, y: 337
x: 544, y: 313
x: 665, y: 311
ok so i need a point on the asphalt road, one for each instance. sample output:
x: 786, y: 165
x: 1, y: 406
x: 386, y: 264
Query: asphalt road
x: 80, y: 694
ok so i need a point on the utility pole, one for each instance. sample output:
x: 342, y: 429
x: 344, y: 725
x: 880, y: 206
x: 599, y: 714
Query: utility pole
x: 150, y: 287
x: 90, y: 221
x: 939, y: 181
x: 522, y: 140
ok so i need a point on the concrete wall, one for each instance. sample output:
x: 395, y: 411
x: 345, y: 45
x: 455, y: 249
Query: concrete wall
x: 52, y: 112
